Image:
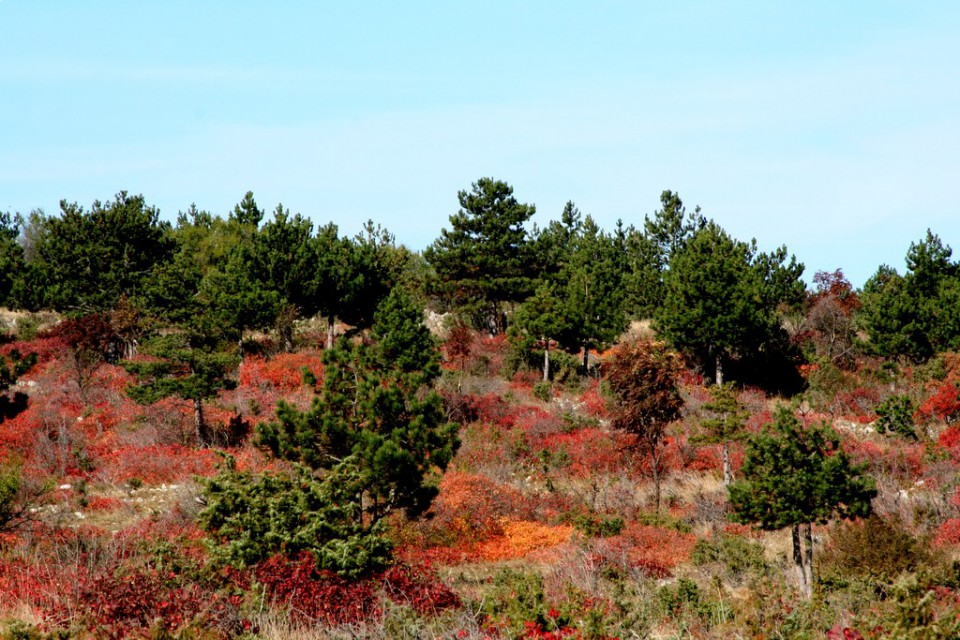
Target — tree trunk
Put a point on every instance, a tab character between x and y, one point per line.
803	557
330	331
655	469
798	558
727	470
586	360
199	424
718	360
546	359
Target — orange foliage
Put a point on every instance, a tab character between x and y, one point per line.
157	464
521	537
470	507
284	372
667	547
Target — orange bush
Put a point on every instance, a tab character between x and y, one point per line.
521	537
470	507
664	546
283	372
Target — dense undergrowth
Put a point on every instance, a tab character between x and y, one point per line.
544	525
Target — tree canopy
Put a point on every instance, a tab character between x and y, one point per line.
483	262
85	261
915	315
721	297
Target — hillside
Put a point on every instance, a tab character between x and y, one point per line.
544	525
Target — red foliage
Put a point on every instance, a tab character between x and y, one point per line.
949	438
594	404
420	588
619	552
706	459
157	464
283	372
321	596
903	463
859	403
665	547
591	450
836	287
122	602
318	596
943	405
843	633
47	349
948	533
103	503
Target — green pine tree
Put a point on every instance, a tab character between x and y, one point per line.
795	475
483	262
721	297
726	424
190	367
372	444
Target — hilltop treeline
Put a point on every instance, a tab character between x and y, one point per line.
723	303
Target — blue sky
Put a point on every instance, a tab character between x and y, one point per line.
831	127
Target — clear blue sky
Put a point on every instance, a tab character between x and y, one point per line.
831	127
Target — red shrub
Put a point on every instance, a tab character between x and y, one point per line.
943	405
859	403
103	503
47	349
315	596
950	437
619	552
594	404
591	450
667	547
420	588
123	602
948	533
283	372
157	464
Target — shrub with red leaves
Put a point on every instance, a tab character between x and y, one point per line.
948	533
943	405
121	603
843	633
322	596
418	588
312	595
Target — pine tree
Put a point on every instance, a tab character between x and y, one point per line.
186	366
579	302
85	262
11	255
722	296
372	443
726	424
796	475
252	517
483	263
914	315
